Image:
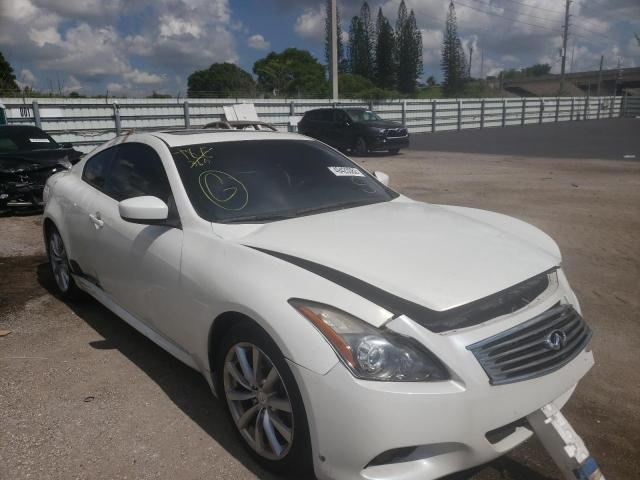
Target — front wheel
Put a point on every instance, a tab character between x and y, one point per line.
263	400
361	147
394	151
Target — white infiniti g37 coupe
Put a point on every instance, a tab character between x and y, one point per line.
349	329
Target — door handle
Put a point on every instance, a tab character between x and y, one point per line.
96	220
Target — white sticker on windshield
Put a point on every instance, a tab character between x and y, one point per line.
346	172
39	140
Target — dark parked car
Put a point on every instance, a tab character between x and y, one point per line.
28	157
354	129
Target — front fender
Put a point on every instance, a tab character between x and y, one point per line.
219	276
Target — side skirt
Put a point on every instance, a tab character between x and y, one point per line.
99	294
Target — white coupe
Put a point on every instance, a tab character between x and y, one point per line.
349	329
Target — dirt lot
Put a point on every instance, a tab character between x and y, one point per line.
82	395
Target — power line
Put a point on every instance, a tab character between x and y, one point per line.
537	7
517	12
577	25
545	27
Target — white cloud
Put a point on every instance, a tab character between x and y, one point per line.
172	26
42	36
258	42
431	45
310	24
28	77
140	77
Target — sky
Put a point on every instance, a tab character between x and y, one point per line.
134	47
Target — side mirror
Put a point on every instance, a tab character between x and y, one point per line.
66	145
382	177
146	210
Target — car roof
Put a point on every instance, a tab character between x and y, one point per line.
184	136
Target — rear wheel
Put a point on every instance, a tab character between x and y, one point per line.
263	400
361	146
59	266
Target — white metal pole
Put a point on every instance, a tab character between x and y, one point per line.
334	49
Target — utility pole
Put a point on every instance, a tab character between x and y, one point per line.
565	35
482	64
334	50
573	47
470	58
600	74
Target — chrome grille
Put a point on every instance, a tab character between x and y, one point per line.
534	348
397	132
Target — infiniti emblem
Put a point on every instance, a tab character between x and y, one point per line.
555	340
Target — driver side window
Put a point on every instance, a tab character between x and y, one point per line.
136	171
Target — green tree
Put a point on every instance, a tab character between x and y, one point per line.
342	61
537	70
453	63
352	85
358	49
408	50
155	94
220	80
291	73
7	78
385	60
368	32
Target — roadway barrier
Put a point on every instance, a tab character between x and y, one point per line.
88	122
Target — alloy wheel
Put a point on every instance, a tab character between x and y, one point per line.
361	146
258	401
59	262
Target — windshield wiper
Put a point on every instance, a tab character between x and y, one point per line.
259	218
334	206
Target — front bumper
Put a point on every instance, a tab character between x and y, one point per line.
441	427
387	143
353	421
21	196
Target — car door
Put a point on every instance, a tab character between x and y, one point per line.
79	198
138	265
340	131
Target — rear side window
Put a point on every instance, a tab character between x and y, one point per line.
96	169
136	171
325	115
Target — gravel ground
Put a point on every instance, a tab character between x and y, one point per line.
84	396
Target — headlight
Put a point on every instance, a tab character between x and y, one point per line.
372	353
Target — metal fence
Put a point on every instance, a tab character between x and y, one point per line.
89	122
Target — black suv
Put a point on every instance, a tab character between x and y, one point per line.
354	129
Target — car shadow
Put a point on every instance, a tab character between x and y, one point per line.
186	387
191	393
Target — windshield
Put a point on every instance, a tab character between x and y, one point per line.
363	116
19	139
265	180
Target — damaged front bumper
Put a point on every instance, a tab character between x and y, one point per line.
21	195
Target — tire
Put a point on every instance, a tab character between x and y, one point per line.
394	151
361	147
59	267
281	443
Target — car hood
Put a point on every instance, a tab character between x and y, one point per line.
380	124
34	160
435	256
